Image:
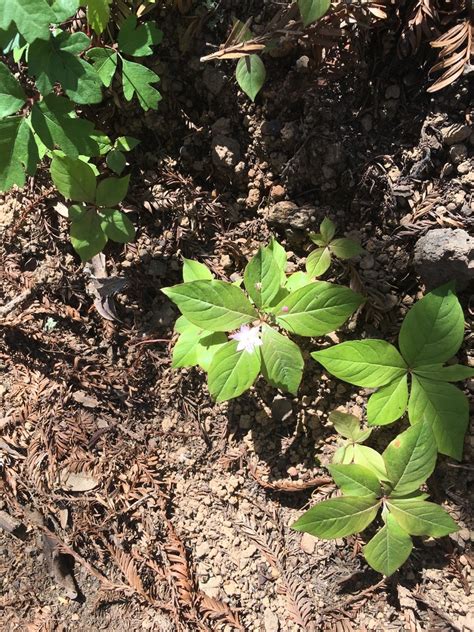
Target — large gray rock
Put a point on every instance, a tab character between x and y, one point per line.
444	254
287	213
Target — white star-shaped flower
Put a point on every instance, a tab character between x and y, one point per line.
248	338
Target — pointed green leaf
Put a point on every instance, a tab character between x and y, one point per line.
419	517
57	61
317	239
279	254
12	96
262	277
87	236
196	346
410	458
116	161
369	363
105	62
389	548
344	454
138	41
212	305
250	74
338	517
389	403
312	10
232	372
18	152
98	14
372	460
345	248
433	329
327	230
445	407
137	79
126	143
57	125
355	480
73	178
295	281
195	271
32	17
440	373
318	262
349	426
116	225
316	309
64	9
282	362
111	191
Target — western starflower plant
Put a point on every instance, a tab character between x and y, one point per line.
235	334
430	335
319	259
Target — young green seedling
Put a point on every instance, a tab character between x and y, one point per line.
431	334
319	260
236	335
408	462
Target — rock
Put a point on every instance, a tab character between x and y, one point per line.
270	621
231	588
253	198
277	192
282	409
202	549
444	254
458	153
455	133
211	587
464	168
225	152
287	213
308	543
214	79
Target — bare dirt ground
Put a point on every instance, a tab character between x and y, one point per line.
137	503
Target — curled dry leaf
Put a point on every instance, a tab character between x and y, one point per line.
456	48
76	481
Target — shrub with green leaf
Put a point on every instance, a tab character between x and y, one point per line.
259	321
393	492
430	335
319	260
48	74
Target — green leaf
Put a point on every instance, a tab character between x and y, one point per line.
126	143
111	191
73	178
318	262
105	62
56	61
446	408
87	236
195	271
55	122
195	345
64	9
355	480
250	74
116	161
372	460
440	373
433	329
282	362
18	152
116	225
212	305
389	403
369	363
262	277
32	17
338	517
295	281
349	426
312	10
232	372
410	458
137	79
389	548
98	14
344	454
317	308
327	230
317	239
12	96
137	41
419	517
345	248
279	254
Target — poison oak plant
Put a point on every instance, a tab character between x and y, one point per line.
235	336
49	73
431	334
408	461
319	260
